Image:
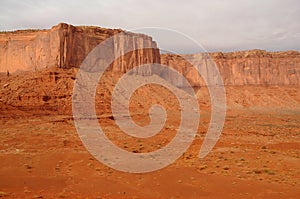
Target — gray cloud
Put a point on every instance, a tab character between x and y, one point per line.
217	24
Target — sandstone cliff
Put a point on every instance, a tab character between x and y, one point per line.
254	67
66	46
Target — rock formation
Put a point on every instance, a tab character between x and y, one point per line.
254	67
66	46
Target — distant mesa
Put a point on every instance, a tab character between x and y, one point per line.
66	46
253	67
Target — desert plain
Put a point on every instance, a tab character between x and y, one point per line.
42	156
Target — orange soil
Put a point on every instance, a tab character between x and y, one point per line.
257	155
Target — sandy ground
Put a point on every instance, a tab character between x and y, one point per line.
257	155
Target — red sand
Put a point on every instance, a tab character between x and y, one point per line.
257	155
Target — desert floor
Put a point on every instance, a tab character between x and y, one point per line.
257	155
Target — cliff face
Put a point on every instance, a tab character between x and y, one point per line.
28	50
66	46
255	67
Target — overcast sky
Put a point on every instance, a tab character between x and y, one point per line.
218	25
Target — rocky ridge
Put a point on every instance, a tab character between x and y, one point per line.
66	46
254	67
